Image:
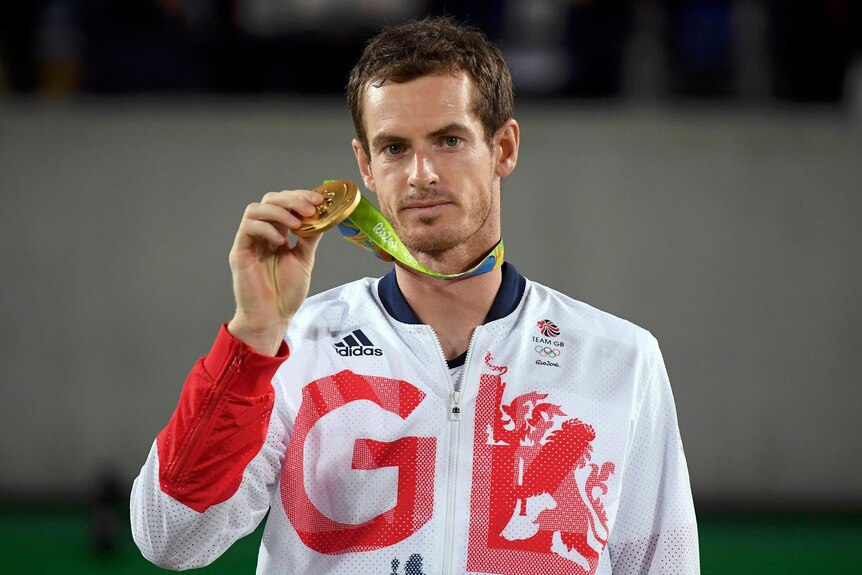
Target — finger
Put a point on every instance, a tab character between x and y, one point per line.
302	202
272	213
254	232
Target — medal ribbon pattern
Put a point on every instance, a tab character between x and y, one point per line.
367	228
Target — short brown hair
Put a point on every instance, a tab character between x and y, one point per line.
428	46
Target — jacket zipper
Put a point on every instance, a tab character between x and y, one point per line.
455	418
221	384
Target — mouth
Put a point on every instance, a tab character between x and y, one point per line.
425	206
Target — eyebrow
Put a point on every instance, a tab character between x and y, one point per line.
454	127
386	138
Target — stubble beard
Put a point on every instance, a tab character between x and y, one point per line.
425	240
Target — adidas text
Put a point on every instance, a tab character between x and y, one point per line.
356	344
355	351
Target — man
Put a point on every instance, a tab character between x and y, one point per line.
413	424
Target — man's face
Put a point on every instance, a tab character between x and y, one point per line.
436	178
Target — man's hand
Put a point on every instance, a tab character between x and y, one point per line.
270	277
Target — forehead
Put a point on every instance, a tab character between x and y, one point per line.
425	102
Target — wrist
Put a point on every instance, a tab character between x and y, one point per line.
263	339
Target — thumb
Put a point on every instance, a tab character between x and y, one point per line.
305	247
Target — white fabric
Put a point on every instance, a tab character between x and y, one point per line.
600	373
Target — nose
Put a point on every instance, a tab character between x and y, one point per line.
422	172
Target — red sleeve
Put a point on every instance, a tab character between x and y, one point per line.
219	424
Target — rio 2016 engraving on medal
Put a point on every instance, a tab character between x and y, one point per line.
340	198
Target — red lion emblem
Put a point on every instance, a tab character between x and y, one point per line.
537	504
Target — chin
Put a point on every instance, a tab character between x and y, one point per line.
426	237
442	234
431	243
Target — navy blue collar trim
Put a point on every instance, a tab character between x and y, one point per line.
508	296
458	361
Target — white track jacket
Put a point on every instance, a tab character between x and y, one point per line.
556	451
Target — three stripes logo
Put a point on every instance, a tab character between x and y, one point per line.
356	344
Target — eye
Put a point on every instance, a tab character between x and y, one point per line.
393	149
451	141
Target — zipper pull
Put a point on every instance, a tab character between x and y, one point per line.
455	409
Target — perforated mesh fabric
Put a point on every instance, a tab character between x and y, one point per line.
566	458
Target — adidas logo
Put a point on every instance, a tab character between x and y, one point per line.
356	344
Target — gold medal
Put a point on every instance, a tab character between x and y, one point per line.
340	198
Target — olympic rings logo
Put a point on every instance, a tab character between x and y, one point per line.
547	351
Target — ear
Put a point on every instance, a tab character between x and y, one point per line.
506	142
364	165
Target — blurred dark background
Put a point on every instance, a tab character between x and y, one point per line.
737	50
694	166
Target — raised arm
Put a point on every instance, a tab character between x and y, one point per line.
271	277
207	479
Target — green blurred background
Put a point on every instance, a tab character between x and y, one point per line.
64	539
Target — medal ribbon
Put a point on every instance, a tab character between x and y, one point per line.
367	228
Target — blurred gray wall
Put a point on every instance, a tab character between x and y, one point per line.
734	236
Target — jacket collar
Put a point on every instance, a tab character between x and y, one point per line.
507	298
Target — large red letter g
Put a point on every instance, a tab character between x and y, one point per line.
413	456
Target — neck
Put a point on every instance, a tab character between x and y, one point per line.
453	308
451	261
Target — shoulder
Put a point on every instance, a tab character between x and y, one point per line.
344	292
337	306
584	320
